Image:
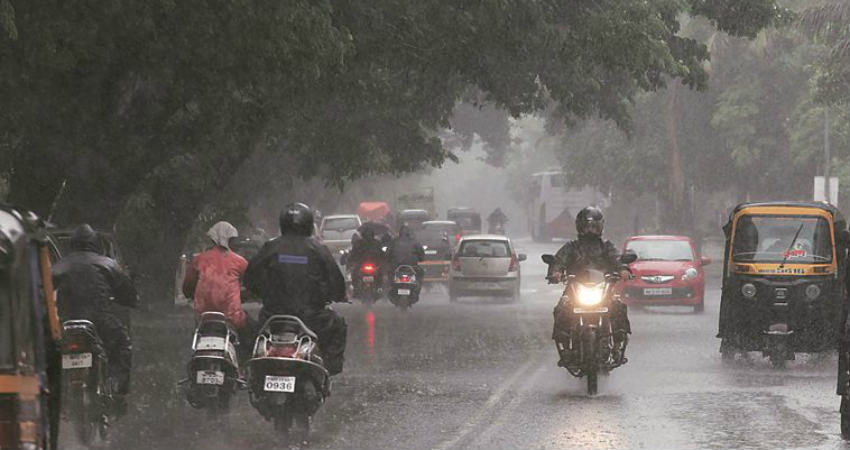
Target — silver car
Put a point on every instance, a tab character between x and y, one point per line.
336	231
485	265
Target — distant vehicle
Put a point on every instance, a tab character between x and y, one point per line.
668	271
422	199
336	231
413	218
439	237
404	289
468	219
485	265
553	204
374	212
86	384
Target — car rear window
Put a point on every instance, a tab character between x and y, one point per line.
341	224
485	249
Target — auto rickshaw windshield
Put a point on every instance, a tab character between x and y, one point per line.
771	239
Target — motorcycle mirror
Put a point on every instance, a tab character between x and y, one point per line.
628	257
548	259
704	261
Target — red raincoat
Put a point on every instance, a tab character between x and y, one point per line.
213	281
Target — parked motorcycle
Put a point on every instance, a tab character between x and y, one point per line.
86	385
404	291
591	348
287	378
213	371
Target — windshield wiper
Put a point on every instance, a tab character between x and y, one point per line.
793	241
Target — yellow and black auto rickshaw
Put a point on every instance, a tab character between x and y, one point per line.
29	333
783	279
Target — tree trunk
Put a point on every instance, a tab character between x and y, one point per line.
676	217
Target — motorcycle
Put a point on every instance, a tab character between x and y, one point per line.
497	228
287	378
213	370
369	284
86	385
591	347
404	291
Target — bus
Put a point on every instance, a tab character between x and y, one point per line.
553	205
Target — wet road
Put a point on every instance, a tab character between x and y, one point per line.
481	374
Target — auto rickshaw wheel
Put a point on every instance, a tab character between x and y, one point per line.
699	307
845	417
777	359
727	353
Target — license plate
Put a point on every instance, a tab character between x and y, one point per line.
210	343
210	377
430	252
368	279
279	384
590	310
76	361
657	291
404	292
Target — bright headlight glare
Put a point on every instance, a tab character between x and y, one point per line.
589	295
690	274
748	290
812	291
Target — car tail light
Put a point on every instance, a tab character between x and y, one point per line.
368	268
282	350
514	263
456	264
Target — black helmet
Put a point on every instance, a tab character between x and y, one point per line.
589	221
84	238
296	218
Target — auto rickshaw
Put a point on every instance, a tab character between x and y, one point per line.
29	334
468	219
783	279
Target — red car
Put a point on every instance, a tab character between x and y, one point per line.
668	271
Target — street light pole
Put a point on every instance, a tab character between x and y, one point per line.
826	155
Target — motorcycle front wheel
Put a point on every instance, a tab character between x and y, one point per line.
590	368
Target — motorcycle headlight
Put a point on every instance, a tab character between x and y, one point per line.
589	295
748	290
690	274
812	291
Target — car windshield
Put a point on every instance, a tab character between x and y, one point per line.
661	250
485	249
772	239
339	228
467	221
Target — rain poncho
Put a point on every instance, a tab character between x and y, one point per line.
213	278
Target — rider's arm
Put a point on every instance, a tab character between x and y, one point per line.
122	287
254	278
190	280
335	279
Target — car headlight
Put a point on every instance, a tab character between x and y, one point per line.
589	295
748	290
690	274
812	291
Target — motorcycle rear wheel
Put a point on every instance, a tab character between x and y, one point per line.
282	423
88	418
300	431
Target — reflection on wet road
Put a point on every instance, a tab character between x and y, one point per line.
482	374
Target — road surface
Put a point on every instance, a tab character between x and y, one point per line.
481	374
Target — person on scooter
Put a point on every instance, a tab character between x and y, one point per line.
296	275
496	221
87	284
589	250
213	281
405	250
366	249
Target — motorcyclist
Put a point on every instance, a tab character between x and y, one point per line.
366	249
496	219
213	281
296	275
406	251
589	250
89	285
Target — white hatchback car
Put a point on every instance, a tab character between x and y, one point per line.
485	265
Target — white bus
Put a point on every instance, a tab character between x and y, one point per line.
554	204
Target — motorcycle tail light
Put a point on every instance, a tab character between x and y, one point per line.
282	350
368	268
73	346
405	279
